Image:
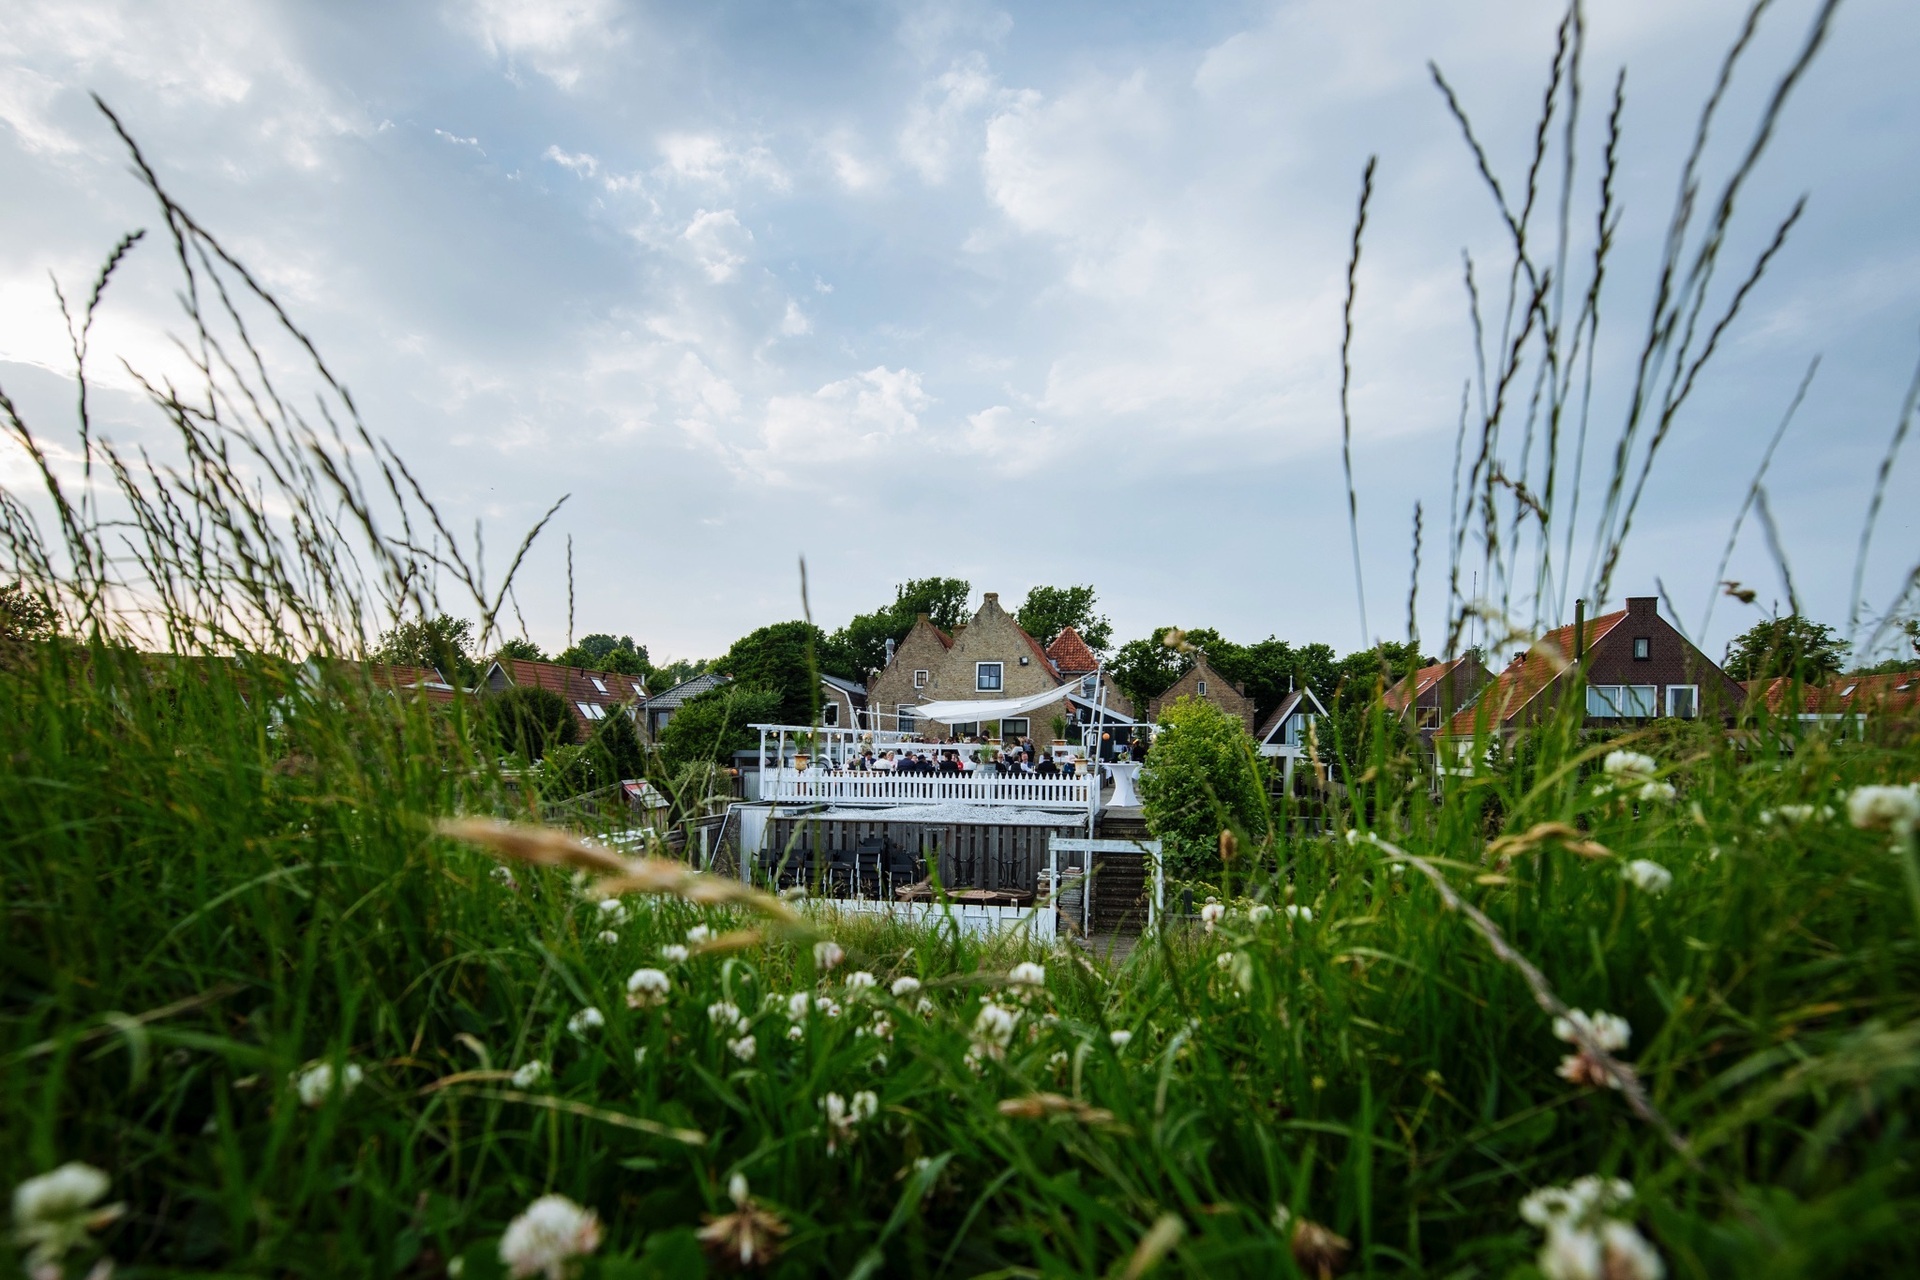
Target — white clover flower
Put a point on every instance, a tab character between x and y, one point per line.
1584	1242
587	1020
827	1006
797	1031
1259	913
1548	1205
1895	809
797	1005
1120	1039
532	1075
903	987
743	1048
993	1029
640	1056
1299	913
880	1028
647	986
1353	835
607	937
1609	1030
699	935
844	1115
612	911
861	980
1626	767
1795	814
725	1013
1570	1253
316	1082
53	1213
1626	1255
828	955
1657	791
501	875
1058	1059
1648	877
548	1236
1224	960
673	953
1397	869
925	1008
1210	915
1027	974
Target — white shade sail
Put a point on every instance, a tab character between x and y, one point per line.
974	710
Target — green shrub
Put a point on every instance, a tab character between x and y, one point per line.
1204	774
708	729
529	722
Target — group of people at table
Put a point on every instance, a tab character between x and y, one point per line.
1020	757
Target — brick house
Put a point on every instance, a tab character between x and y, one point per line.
908	675
843	703
1636	666
1071	657
1434	693
591	696
1203	682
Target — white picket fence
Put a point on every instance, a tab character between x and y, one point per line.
830	786
974	920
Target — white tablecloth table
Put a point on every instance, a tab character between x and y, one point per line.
1124	796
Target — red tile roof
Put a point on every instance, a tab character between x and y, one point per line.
1070	654
578	685
1528	674
1897	691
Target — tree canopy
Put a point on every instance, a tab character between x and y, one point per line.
520	647
1203	775
1047	611
530	721
861	645
1790	646
708	729
784	658
602	652
444	643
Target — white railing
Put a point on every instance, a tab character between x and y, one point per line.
837	786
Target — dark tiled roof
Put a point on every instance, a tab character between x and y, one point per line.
684	691
1527	675
851	688
1288	705
1070	655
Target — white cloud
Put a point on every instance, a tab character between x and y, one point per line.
718	241
943	127
852	419
795	321
709	159
582	165
557	38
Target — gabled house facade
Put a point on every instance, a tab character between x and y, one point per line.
591	696
991	657
1072	658
1431	696
843	703
1203	682
908	676
1636	665
1284	731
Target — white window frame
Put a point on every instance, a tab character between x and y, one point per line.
1026	728
1089	685
905	717
590	711
830	714
1643	701
980	684
597	683
969	730
1638	643
920	678
1611	704
1694	690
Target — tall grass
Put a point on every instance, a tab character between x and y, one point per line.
223	865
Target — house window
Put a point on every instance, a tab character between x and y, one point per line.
1089	685
1201	688
1429	718
1683	700
987	676
1622	701
1014	728
1603	701
904	717
660	719
830	713
1642	648
597	684
919	679
590	711
1643	701
967	730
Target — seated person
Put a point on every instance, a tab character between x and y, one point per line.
1047	768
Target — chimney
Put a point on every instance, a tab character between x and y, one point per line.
991	598
1579	630
1643	606
890	647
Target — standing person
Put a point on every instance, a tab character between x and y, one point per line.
1139	751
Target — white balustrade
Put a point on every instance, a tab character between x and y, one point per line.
856	787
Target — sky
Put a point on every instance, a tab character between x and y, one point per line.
1016	293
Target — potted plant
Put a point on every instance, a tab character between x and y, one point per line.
1059	727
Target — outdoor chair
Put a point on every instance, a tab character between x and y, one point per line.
903	867
842	873
869	858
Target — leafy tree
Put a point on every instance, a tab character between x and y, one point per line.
601	652
1365	674
1907	661
676	671
708	729
1791	646
783	658
24	616
861	645
522	648
443	642
1047	611
1204	775
530	721
611	756
1145	669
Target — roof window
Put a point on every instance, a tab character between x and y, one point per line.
597	684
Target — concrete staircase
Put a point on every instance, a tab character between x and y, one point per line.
1120	882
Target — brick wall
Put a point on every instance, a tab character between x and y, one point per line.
1670	660
922	650
1220	692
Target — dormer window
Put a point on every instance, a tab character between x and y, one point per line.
597	684
1642	648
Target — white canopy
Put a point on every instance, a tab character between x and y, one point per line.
977	710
